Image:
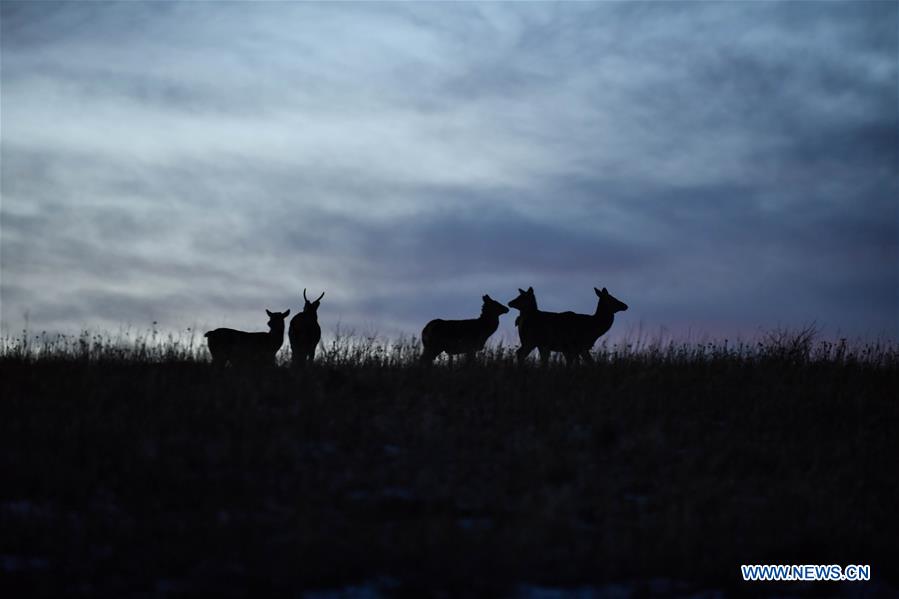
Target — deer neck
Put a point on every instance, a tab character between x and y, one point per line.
489	321
603	315
276	335
526	314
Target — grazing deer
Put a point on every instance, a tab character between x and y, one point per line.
461	336
304	332
567	332
240	348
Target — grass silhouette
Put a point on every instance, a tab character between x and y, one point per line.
130	465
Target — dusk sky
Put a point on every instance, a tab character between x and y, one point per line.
724	168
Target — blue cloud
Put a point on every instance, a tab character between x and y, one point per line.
721	166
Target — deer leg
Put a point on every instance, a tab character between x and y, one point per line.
522	353
219	358
427	357
298	360
544	355
587	356
311	355
469	358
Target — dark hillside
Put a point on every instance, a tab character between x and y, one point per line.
155	473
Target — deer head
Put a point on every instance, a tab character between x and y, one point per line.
276	319
608	302
526	300
312	307
492	307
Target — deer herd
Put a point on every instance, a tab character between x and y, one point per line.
568	333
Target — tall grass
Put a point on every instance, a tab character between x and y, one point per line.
103	346
347	348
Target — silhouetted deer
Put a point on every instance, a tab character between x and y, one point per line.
461	336
567	332
240	348
304	332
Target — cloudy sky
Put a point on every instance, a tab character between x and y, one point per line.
721	167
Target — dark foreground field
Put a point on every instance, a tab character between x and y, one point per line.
656	471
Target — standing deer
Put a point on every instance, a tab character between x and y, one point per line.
240	348
304	332
567	332
461	336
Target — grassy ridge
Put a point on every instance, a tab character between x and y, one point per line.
132	468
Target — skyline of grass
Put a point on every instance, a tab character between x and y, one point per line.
343	346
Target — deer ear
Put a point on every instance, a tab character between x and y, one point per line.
286	314
604	292
531	290
486	298
597	291
521	291
268	312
